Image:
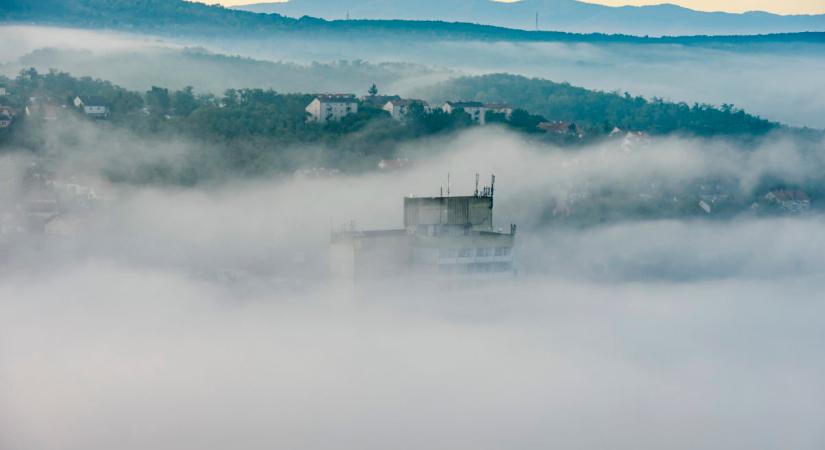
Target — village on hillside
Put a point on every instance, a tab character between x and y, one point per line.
52	203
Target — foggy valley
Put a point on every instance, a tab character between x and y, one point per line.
171	201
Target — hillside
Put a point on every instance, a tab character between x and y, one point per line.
181	18
560	15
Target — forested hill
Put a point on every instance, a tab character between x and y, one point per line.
257	131
178	17
561	101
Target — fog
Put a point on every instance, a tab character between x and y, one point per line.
172	317
777	81
204	317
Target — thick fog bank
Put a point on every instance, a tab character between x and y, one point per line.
203	318
99	355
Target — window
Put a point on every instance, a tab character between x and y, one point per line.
482	252
465	253
502	251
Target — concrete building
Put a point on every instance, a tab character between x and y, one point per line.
400	108
331	107
476	110
441	235
94	107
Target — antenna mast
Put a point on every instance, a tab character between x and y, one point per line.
537	21
476	191
448	184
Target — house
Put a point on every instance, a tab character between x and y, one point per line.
331	107
562	127
500	108
399	108
3	91
476	110
7	115
94	107
5	120
790	200
442	236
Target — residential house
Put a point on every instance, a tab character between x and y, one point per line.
331	107
94	107
476	110
5	120
7	115
399	108
562	127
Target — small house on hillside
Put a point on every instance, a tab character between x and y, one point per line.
94	107
399	108
476	110
331	107
561	127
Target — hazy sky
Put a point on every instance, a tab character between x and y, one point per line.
780	7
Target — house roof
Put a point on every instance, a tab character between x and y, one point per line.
405	102
336	98
497	106
93	101
466	104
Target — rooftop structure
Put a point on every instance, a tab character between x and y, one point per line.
441	235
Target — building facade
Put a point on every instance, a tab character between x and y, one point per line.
331	108
442	235
400	108
476	110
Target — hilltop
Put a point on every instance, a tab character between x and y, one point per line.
560	15
181	18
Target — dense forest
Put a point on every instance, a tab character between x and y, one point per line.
178	17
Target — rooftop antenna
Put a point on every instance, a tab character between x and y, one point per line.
492	184
476	191
448	184
347	14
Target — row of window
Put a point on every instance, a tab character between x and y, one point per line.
470	252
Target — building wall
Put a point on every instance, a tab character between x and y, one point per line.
475	211
322	112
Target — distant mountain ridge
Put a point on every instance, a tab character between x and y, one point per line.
557	15
186	18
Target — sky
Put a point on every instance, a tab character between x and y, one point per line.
779	7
